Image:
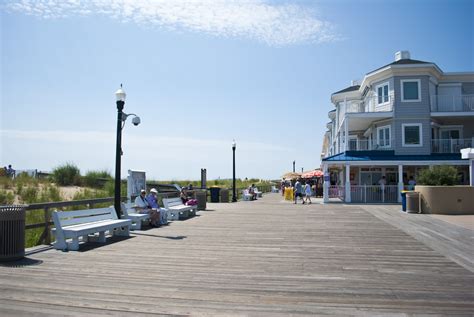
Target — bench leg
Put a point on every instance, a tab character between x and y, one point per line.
85	238
101	237
123	231
138	225
74	245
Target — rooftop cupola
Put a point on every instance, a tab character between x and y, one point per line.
402	55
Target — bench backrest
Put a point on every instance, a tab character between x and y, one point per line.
76	217
126	207
170	202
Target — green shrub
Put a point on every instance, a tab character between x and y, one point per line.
29	195
95	179
6	198
67	174
439	175
50	193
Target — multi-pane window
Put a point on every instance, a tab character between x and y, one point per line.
412	135
410	90
383	136
382	93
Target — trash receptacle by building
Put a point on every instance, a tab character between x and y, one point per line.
413	202
12	232
215	194
201	196
403	193
224	195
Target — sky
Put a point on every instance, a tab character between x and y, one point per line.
199	74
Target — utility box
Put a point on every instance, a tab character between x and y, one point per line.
12	232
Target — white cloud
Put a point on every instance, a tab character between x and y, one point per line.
274	24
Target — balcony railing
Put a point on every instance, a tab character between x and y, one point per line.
452	103
371	104
449	145
366	145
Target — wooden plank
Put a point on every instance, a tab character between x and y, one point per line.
264	258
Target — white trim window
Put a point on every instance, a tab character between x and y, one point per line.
382	93
383	136
410	90
412	135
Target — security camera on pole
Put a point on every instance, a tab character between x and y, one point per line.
121	118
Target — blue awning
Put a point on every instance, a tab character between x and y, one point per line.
365	156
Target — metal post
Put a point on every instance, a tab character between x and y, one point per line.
118	157
234	197
293	166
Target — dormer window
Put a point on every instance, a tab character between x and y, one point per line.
382	93
411	91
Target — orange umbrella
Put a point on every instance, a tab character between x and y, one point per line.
311	174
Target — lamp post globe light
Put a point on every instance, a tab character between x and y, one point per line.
234	196
120	96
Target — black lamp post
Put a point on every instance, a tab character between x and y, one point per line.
121	117
293	166
234	197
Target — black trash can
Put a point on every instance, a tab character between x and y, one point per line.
12	232
215	194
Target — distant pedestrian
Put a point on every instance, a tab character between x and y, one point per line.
411	183
11	172
307	193
382	182
298	191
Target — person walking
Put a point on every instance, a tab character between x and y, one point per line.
298	191
307	192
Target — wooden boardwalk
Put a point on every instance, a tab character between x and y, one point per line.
261	258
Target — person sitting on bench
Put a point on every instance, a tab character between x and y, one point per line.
143	207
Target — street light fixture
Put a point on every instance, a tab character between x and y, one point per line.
234	196
120	96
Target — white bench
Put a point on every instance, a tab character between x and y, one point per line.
176	210
82	223
246	195
275	190
258	193
129	212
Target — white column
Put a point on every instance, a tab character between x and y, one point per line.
348	183
400	182
326	184
471	172
346	134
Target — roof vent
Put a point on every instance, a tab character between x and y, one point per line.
402	55
355	82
